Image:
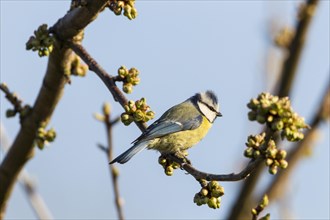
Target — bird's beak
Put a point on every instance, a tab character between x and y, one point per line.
219	114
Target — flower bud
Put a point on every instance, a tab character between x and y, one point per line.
252	115
10	113
273	169
127	88
248	152
219	191
162	160
281	154
204	192
269	161
106	108
256	154
213	185
138	115
213	203
283	164
261	119
150	115
169	170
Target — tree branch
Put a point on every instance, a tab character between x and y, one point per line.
50	93
26	181
240	206
218	177
107	79
114	173
289	68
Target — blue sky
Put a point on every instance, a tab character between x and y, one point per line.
180	48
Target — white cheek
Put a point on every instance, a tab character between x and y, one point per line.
210	115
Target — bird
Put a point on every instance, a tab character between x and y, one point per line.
179	128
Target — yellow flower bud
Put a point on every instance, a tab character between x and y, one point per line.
138	115
127	88
204	192
122	71
213	203
283	164
106	109
162	161
169	170
269	162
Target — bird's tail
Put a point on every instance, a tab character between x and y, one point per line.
127	155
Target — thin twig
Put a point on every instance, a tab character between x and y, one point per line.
218	177
113	169
12	98
26	181
107	79
240	206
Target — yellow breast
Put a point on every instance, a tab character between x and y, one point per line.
181	140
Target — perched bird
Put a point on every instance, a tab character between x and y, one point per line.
179	128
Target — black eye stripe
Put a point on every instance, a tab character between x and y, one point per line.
210	107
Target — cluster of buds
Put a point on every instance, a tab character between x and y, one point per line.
168	165
129	77
77	67
275	158
117	6
41	42
17	103
253	144
44	137
137	111
284	37
23	111
261	206
278	114
209	194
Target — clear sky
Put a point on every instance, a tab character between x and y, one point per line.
180	48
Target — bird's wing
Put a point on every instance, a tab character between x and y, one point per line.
164	126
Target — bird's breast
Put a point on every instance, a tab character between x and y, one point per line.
180	140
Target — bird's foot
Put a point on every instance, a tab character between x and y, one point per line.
182	156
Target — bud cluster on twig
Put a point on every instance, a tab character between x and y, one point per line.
168	165
42	41
278	115
78	68
137	111
44	137
129	77
274	157
210	194
13	98
261	206
117	6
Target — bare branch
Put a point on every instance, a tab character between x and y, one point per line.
112	168
218	177
26	181
289	68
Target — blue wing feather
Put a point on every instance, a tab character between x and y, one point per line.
164	127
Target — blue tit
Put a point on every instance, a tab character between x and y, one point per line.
179	128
